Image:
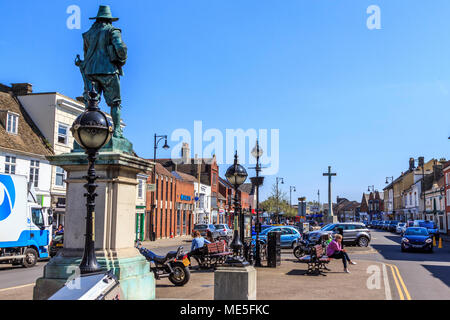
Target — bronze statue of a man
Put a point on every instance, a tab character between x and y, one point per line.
104	56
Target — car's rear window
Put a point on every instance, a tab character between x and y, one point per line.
219	226
201	227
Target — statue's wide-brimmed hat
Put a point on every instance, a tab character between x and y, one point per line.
104	12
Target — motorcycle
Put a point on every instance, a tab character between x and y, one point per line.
174	265
305	246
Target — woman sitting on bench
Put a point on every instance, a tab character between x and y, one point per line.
197	243
335	251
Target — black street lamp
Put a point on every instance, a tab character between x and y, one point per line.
236	176
157	140
291	188
392	182
92	130
257	152
278	199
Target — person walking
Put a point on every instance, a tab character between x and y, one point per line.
335	251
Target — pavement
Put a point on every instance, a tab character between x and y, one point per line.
184	241
382	272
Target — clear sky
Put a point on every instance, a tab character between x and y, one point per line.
360	100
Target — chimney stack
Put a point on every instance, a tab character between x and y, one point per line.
21	89
411	164
185	153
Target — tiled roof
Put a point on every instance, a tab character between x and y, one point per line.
184	176
246	187
29	139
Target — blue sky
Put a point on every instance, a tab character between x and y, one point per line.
360	100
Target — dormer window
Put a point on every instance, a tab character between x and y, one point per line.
12	123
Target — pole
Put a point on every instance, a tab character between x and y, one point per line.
153	197
258	256
423	190
89	263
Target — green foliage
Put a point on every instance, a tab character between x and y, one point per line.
278	202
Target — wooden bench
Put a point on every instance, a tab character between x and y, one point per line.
316	261
214	254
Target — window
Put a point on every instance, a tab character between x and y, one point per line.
60	176
448	197
62	134
37	217
34	172
156	187
10	165
140	189
167	188
12	123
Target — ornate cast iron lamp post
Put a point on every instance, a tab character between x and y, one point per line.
236	175
257	152
157	140
92	130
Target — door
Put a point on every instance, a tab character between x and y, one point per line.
288	236
140	226
350	231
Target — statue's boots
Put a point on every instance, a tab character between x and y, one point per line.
115	114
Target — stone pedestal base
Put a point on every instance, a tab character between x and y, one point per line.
330	219
235	283
137	282
114	224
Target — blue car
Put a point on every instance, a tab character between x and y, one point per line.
429	225
417	238
289	236
263	227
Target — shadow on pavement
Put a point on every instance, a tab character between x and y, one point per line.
440	272
296	272
393	252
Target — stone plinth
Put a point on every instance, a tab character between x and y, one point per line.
114	227
330	219
235	283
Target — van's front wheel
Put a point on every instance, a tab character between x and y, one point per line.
30	259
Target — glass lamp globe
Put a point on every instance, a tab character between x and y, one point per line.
236	174
92	129
257	151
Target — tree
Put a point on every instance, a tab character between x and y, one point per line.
278	202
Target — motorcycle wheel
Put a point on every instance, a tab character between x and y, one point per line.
180	275
299	252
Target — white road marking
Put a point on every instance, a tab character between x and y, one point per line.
387	288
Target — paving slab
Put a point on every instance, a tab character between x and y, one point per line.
287	282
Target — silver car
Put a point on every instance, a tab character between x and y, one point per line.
224	230
353	233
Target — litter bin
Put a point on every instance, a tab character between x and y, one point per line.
273	249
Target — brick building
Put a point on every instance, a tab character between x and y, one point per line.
161	221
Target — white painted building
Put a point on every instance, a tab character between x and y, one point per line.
23	149
54	113
202	209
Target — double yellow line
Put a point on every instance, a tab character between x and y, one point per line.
399	283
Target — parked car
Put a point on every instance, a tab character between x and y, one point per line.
289	238
385	225
401	228
354	233
392	226
263	227
56	244
372	224
431	226
417	238
203	228
224	230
